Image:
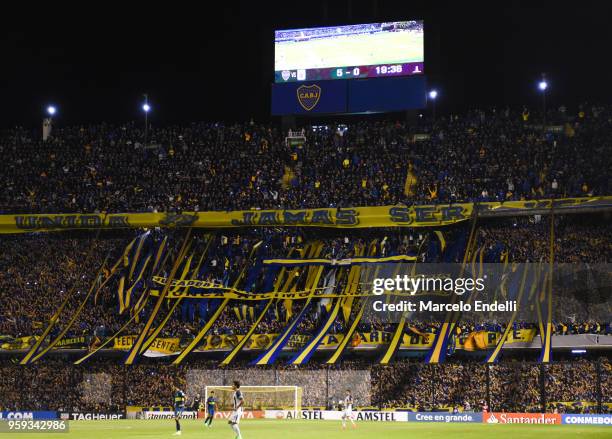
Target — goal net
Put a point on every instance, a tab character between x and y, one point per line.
259	397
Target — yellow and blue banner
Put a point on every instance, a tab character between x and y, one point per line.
355	217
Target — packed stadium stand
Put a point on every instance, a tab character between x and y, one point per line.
499	155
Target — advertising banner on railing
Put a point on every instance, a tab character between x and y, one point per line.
91	416
169	415
28	415
522	418
444	417
334	415
587	419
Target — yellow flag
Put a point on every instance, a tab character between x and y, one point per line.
411	182
476	341
288	176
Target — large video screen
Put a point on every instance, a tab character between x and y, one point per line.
346	52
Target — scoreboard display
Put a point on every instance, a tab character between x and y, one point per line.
374	50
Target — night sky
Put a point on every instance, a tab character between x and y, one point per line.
216	63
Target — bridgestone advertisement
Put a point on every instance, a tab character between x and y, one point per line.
169	415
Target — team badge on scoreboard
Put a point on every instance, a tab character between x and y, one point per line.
286	74
308	96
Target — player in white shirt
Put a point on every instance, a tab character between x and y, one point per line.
238	408
348	409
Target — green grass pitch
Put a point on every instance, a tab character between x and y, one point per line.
359	50
272	429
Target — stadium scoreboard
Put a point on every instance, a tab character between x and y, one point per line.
360	68
346	52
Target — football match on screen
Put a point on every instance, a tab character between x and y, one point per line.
348	219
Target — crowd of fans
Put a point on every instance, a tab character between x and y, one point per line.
43	270
515	387
37	273
102	385
574	382
108	385
481	155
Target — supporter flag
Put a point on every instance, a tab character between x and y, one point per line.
440	235
411	182
288	177
437	352
476	341
144	264
329	284
546	325
304	355
131	260
120	291
416	331
435	247
124	262
521	280
272	353
138	282
109	273
288	304
243	312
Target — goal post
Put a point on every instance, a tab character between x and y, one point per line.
258	398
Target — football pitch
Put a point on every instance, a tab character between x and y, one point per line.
273	429
358	50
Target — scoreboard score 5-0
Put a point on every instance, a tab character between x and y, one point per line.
375	71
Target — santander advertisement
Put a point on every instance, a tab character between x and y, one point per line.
522	418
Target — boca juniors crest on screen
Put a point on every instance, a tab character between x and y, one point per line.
369	95
308	96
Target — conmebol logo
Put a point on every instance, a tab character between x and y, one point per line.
587	419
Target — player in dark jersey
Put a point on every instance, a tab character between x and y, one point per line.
179	407
197	403
211	404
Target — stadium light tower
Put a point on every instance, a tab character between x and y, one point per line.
433	95
47	124
543	87
146	108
